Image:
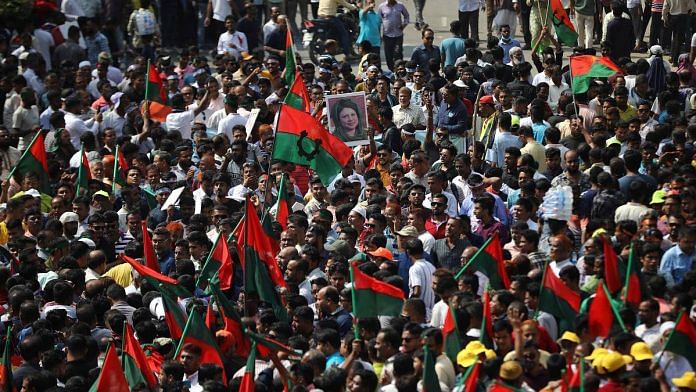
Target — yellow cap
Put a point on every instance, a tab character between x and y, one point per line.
490	354
613	361
569	336
641	352
598	352
466	358
510	371
658	197
475	347
687	380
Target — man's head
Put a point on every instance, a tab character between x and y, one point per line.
191	358
387	343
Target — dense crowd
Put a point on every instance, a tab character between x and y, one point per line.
470	153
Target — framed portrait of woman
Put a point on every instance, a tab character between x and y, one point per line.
348	117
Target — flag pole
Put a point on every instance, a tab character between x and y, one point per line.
113	180
466	266
79	171
183	334
245	270
627	280
356	332
147	81
270	159
613	309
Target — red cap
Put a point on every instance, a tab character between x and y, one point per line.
486	99
382	252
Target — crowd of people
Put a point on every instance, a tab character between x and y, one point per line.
466	142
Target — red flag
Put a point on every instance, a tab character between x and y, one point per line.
601	313
111	378
471	377
155	86
158	111
210	318
149	249
611	267
487	321
135	361
248	384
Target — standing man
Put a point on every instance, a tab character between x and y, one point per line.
507	42
232	42
420	276
422	54
619	34
676	17
395	18
453	48
328	10
584	19
468	20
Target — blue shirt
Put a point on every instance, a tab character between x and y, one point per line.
422	55
166	263
453	48
506	48
370	26
334	359
452	117
501	142
539	132
676	263
499	211
95	45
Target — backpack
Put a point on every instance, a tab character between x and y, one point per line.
144	22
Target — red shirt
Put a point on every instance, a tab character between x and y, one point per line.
611	386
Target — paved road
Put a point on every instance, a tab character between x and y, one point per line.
439	14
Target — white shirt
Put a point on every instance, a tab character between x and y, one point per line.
555	94
76	127
421	274
226	124
651	336
541	77
113	74
181	122
232	43
439	314
410	115
43	43
113	120
221	9
34	82
428	241
557	266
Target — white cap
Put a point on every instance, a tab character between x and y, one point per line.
88	242
33	192
84	64
667	326
69	217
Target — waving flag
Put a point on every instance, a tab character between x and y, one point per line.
111	377
372	297
585	67
135	363
489	261
34	160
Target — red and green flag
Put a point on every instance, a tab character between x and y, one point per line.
6	382
634	290
302	140
267	346
111	377
262	275
219	262
612	276
565	31
135	364
157	278
372	297
196	333
500	386
471	377
33	160
248	384
282	207
84	174
682	340
210	317
148	249
584	67
576	379
120	170
154	87
431	382
290	65
231	319
489	261
602	314
558	299
450	334
487	321
174	315
297	97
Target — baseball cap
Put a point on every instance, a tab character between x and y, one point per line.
408	231
570	336
100	193
69	217
486	99
341	247
640	351
33	193
613	361
658	197
382	252
103	57
596	353
687	380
